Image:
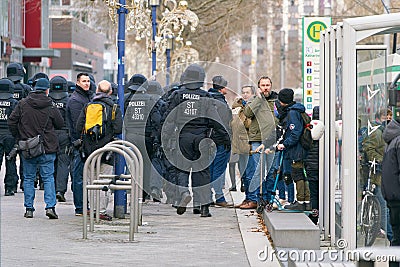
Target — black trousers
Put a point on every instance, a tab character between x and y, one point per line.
196	164
6	145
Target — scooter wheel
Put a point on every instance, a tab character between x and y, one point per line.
260	209
269	208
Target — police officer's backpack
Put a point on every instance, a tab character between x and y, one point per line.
96	120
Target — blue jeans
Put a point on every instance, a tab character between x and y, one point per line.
253	189
385	217
217	172
270	179
77	181
287	169
45	163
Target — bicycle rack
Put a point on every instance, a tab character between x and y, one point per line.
139	187
98	181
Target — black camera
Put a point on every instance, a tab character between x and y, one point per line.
77	143
13	153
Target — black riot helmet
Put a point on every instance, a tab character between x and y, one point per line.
136	81
71	86
36	77
15	71
58	83
92	83
6	87
154	87
193	77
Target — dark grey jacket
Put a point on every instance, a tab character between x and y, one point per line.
391	162
35	115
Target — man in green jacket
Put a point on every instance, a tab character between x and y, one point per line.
261	130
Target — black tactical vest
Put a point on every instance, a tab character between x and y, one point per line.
21	91
60	100
7	105
192	108
137	111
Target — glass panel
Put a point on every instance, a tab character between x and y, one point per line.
338	147
371	120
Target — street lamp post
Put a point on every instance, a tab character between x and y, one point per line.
154	4
120	195
168	55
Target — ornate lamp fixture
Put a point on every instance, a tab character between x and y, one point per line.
173	24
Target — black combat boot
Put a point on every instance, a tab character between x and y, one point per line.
186	198
205	212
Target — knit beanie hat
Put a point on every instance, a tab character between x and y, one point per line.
286	95
219	82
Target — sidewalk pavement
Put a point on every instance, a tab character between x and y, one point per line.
231	237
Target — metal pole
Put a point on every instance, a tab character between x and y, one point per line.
168	55
168	52
120	195
153	52
282	58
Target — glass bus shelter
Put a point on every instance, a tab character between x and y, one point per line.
355	70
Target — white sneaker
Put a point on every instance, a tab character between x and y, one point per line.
281	201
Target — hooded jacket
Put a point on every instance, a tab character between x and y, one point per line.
294	128
391	162
36	115
75	105
223	132
312	162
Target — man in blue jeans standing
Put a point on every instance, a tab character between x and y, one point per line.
262	128
35	115
79	98
222	138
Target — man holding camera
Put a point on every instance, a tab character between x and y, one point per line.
35	117
79	98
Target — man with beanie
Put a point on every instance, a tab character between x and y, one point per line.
222	138
79	98
262	127
292	148
36	115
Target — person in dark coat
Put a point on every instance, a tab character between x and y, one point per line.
391	177
36	115
79	98
222	138
311	165
113	127
293	150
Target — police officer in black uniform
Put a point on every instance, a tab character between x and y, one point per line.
59	94
138	107
7	141
114	94
169	186
191	112
16	72
71	87
31	81
156	155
